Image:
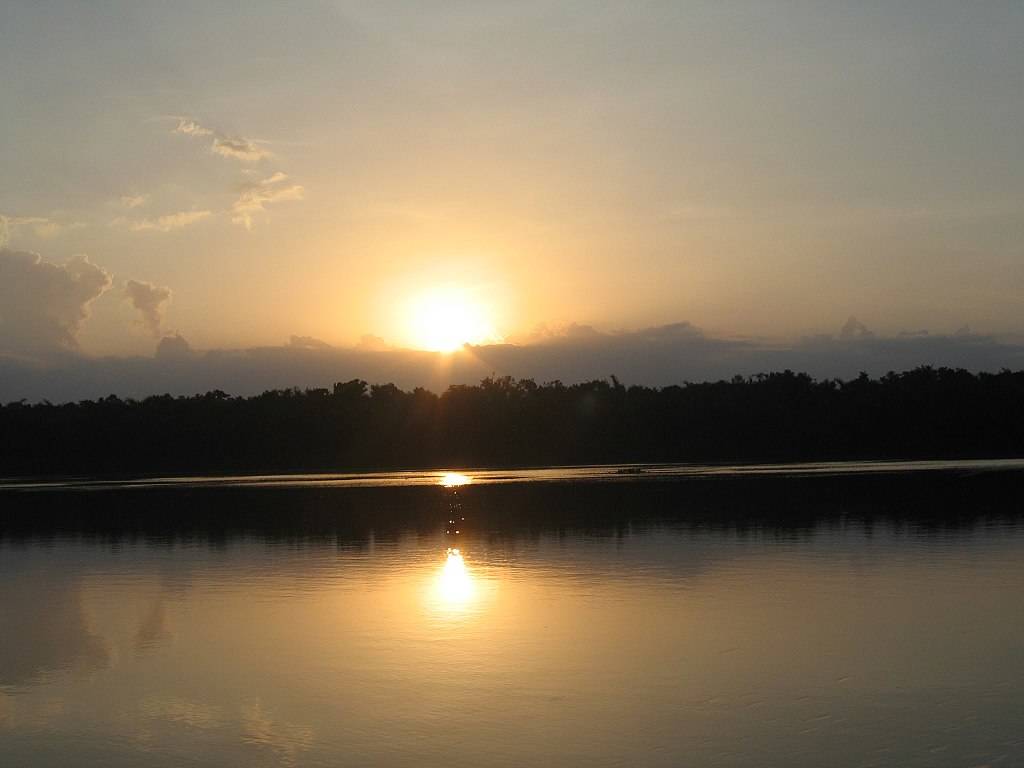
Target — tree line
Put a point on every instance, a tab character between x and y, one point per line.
923	413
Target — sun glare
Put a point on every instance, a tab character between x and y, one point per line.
454	479
444	320
454	584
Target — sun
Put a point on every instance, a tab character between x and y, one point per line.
444	319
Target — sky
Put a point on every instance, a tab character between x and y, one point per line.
792	183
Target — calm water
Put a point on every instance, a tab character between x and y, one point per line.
634	638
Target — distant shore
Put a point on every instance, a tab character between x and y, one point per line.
922	414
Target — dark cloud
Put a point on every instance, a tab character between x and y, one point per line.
854	329
42	304
307	342
660	355
173	347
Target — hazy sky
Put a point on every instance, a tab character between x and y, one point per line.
261	170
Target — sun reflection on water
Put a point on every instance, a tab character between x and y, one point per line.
454	479
455	588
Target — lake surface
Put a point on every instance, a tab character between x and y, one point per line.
876	620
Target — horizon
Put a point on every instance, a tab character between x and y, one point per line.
653	357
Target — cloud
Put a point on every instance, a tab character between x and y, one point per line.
46	228
191	128
854	329
173	347
370	343
134	201
167	223
149	300
41	226
42	304
255	196
234	147
239	149
307	342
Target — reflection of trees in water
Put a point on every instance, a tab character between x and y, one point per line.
45	629
771	505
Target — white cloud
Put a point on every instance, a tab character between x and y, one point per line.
42	304
134	201
165	223
238	148
149	300
46	228
255	196
191	128
41	226
234	147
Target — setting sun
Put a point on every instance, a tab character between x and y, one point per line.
445	319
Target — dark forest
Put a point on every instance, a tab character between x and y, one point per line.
503	422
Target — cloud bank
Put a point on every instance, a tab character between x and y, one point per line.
656	356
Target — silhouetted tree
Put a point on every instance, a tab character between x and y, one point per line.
782	416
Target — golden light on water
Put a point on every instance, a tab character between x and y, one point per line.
454	479
455	588
445	319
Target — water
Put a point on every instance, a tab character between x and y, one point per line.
603	625
588	473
